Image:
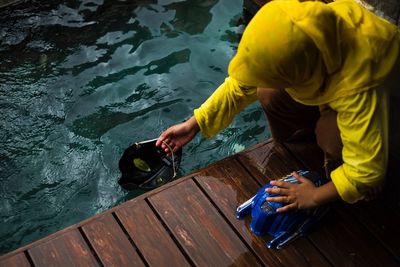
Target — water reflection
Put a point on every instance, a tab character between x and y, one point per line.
81	80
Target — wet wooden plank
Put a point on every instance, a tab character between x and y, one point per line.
308	154
345	242
150	236
199	213
110	243
17	260
267	161
229	185
382	221
223	183
68	249
201	231
379	216
342	232
93	218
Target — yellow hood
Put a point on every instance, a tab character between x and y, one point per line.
318	52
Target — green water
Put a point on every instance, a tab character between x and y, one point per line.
82	80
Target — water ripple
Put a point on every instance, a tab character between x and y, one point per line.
82	80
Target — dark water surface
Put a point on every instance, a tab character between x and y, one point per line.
82	80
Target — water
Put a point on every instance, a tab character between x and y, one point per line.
82	80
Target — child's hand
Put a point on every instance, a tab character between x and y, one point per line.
296	196
176	136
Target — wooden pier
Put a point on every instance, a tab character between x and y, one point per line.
191	222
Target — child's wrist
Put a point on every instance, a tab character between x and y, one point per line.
324	194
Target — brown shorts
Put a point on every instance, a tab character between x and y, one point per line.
291	121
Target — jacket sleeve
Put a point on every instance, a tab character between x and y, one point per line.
363	123
218	111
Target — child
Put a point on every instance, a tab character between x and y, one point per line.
313	66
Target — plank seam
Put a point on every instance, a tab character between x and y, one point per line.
174	239
307	238
87	241
259	260
337	212
334	209
372	233
294	156
248	171
349	213
29	258
290	153
313	244
302	163
121	225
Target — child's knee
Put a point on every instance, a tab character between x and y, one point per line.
328	134
268	97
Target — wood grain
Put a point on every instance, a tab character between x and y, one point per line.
150	236
68	249
229	185
268	161
201	231
345	242
191	221
17	260
110	243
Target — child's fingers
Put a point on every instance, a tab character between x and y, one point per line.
277	190
300	178
281	199
161	139
168	146
286	208
280	183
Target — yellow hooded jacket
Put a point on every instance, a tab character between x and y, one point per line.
333	54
